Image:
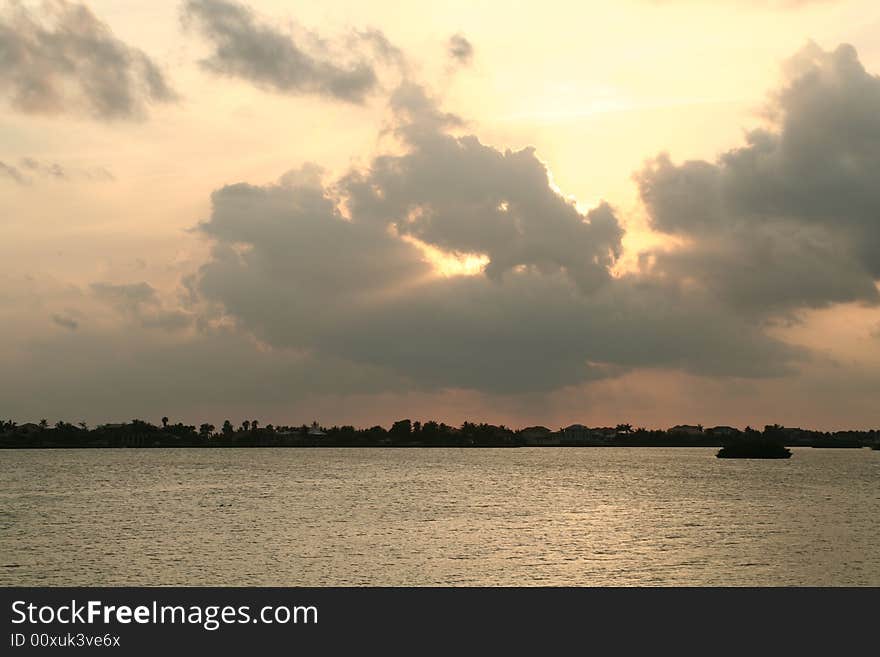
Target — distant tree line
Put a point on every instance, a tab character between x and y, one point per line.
403	433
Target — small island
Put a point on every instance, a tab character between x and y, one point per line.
753	446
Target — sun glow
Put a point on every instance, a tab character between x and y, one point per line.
449	264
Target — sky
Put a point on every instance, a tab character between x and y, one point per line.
649	211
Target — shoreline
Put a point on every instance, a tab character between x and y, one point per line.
575	446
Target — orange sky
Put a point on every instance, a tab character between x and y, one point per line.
596	88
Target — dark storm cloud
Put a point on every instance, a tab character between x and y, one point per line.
792	218
300	273
246	48
464	197
72	62
460	49
536	332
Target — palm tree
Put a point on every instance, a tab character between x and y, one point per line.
165	422
44	423
246	425
255	424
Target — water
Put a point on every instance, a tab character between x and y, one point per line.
286	517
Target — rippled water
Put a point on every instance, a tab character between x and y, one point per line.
592	516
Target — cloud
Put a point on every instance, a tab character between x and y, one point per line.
460	49
65	322
28	168
245	47
100	174
140	302
382	48
72	62
48	169
791	219
12	173
128	295
464	197
338	271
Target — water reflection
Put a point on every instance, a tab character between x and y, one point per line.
599	516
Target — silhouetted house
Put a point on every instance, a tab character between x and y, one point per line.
140	439
792	435
722	431
28	428
575	433
603	434
134	434
538	436
289	436
315	431
687	430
